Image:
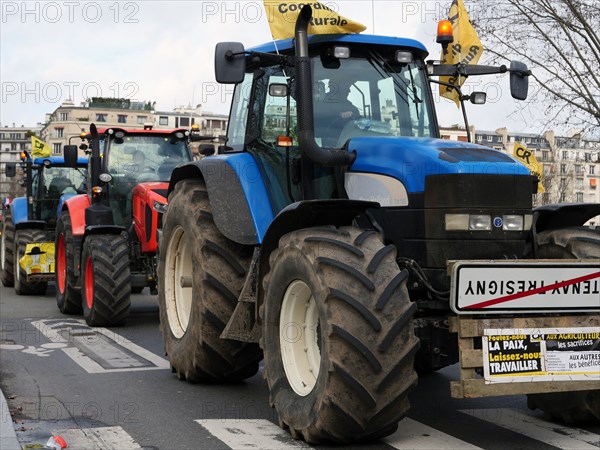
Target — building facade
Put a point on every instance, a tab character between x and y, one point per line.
13	140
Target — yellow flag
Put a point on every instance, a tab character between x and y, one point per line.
39	149
466	47
528	158
282	17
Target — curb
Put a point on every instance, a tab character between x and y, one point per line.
8	436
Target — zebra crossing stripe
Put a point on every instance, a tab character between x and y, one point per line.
102	438
415	435
251	433
565	437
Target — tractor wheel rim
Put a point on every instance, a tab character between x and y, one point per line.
61	264
89	282
17	265
299	338
178	289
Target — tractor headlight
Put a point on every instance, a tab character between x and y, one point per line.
480	222
512	222
159	207
372	187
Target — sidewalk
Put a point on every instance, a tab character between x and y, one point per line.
8	437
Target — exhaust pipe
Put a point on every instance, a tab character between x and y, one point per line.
306	132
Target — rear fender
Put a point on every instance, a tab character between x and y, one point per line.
18	207
238	197
76	207
551	217
305	214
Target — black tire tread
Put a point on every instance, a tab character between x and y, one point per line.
220	266
8	236
111	268
580	406
364	380
68	302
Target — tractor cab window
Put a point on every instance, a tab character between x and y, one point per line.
136	159
367	96
54	182
236	131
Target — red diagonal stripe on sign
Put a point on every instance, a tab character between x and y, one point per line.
550	287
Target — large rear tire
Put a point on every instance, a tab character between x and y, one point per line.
7	248
569	243
68	296
105	280
202	274
22	238
338	335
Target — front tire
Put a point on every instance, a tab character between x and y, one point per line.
7	249
22	238
202	274
105	279
68	296
338	335
578	406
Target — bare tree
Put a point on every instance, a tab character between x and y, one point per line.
558	40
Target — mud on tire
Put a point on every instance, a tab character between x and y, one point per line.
192	317
68	296
105	280
569	243
7	248
22	238
357	319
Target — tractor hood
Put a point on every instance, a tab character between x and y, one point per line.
411	160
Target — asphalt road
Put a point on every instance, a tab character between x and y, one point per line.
113	389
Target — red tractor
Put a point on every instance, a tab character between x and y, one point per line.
106	239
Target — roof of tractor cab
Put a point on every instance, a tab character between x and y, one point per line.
140	131
60	161
371	39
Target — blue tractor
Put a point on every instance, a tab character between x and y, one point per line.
32	219
320	239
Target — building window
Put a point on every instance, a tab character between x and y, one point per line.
544	155
565	154
63	116
592	170
563	168
490	138
59	132
15	136
13	147
122	118
563	197
101	117
163	120
545	198
500	139
563	183
184	121
56	149
479	138
141	120
578	169
579	198
579	183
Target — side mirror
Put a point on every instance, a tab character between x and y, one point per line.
70	155
478	98
10	170
519	80
230	62
206	149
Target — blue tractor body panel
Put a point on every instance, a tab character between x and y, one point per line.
250	178
19	210
411	160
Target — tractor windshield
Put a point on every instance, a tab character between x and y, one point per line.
51	182
369	96
140	158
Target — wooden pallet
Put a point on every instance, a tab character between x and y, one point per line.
470	330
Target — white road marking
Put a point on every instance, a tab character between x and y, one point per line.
561	436
103	438
415	435
112	352
251	433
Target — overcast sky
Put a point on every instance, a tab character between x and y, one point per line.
162	51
